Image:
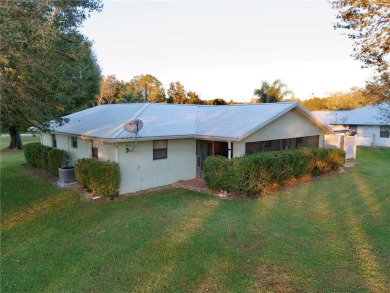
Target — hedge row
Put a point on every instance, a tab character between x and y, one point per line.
103	178
254	173
44	157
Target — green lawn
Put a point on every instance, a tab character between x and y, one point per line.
329	235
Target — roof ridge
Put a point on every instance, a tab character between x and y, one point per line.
135	115
197	119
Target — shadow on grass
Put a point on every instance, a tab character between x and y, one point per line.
37	209
324	236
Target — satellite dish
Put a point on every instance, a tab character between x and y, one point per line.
133	126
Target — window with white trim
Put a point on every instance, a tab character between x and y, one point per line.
74	142
160	149
53	141
385	131
95	150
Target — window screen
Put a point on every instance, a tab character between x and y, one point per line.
95	151
74	142
160	149
385	131
53	141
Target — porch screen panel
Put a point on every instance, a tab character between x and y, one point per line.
313	141
254	147
272	145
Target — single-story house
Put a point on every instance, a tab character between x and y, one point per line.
370	124
172	141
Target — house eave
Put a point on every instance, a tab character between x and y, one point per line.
148	138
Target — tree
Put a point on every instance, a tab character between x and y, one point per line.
273	93
146	87
368	24
111	90
355	98
47	66
193	98
218	102
177	93
378	89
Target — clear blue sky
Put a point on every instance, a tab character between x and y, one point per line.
224	49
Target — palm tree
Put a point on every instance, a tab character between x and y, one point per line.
273	93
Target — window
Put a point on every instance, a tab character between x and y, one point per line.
53	141
95	150
313	141
289	144
385	131
352	128
160	149
254	147
272	145
74	142
301	142
281	144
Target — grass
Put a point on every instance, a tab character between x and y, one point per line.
328	235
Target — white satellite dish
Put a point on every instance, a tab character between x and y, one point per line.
133	126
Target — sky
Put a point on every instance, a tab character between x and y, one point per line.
225	49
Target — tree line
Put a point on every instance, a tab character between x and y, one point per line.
147	88
48	68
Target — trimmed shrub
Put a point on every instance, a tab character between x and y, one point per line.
103	178
56	159
30	153
254	173
44	157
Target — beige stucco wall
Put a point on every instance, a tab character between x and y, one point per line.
140	171
83	149
46	139
290	125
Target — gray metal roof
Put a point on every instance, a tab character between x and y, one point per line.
368	115
233	122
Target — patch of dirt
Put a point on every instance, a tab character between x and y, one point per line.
8	150
276	278
36	173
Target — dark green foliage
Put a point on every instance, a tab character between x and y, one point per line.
37	155
102	178
272	93
44	157
255	173
56	159
48	68
30	151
